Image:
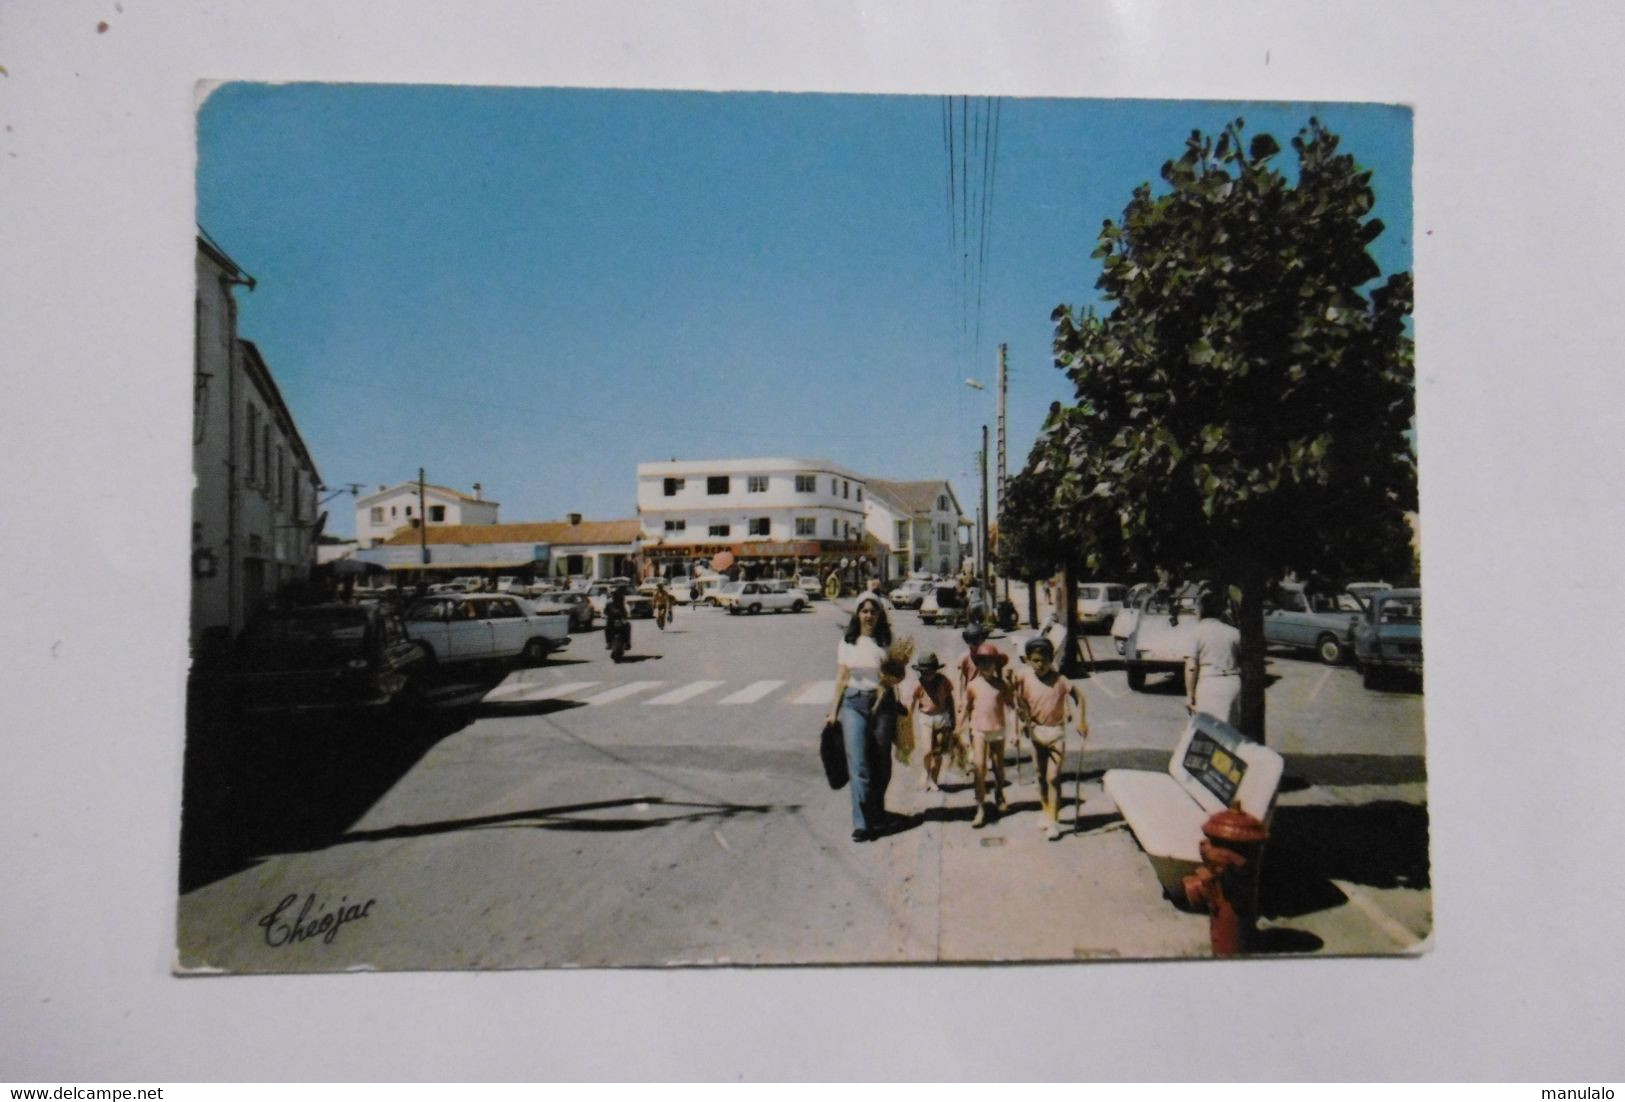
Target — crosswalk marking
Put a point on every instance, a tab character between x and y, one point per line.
677	696
751	693
629	689
533	691
819	692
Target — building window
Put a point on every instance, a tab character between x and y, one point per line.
756	484
834	528
860	493
834	486
719	529
902	533
760	526
408	510
942	532
677	526
716	484
377	516
672	486
846	488
806	484
281	476
942	503
437	514
806	526
265	453
392	511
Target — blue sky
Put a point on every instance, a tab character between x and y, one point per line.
537	289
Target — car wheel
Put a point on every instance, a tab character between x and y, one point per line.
535	650
429	657
797	606
1136	678
1120	644
754	609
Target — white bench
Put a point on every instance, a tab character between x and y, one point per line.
1212	766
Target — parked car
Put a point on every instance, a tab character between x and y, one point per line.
811	586
1099	603
765	596
1159	632
1308	621
723	595
574	605
910	593
474	627
947	605
322	657
637	605
1389	637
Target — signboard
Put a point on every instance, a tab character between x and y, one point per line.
1214	766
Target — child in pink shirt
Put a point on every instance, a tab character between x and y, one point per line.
1042	696
987	704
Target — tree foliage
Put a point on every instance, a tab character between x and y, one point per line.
1243	410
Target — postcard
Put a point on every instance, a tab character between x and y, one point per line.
653	528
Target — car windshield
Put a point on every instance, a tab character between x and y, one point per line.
307	639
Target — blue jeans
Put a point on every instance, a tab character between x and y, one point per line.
868	755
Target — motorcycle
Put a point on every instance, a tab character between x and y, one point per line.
618	637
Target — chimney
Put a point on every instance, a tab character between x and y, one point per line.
477	492
575	519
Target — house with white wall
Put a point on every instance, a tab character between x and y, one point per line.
571	548
919	524
777	513
254	483
380	514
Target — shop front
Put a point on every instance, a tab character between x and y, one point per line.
855	561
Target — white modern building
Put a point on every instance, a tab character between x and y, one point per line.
380	514
919	524
773	514
254	483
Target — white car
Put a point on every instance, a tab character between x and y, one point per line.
1161	630
475	627
911	593
811	585
1099	603
637	605
763	597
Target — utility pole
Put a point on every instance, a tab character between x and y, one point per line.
1003	470
423	521
981	459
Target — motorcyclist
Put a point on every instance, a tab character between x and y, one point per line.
662	604
616	618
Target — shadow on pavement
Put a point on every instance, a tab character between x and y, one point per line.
1381	845
653	812
253	786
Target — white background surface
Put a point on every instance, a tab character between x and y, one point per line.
1518	258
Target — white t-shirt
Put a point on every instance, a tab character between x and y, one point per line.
863	660
1216	646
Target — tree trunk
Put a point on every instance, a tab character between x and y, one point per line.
1069	594
1032	603
1253	589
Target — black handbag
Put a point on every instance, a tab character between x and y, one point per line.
832	749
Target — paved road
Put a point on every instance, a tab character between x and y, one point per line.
671	810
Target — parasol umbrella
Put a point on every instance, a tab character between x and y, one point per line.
722	560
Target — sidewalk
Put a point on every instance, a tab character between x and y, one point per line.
1099	898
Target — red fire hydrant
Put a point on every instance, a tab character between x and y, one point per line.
1227	882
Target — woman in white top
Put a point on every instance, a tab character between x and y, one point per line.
1213	667
866	728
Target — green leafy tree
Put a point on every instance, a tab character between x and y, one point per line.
1244	408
